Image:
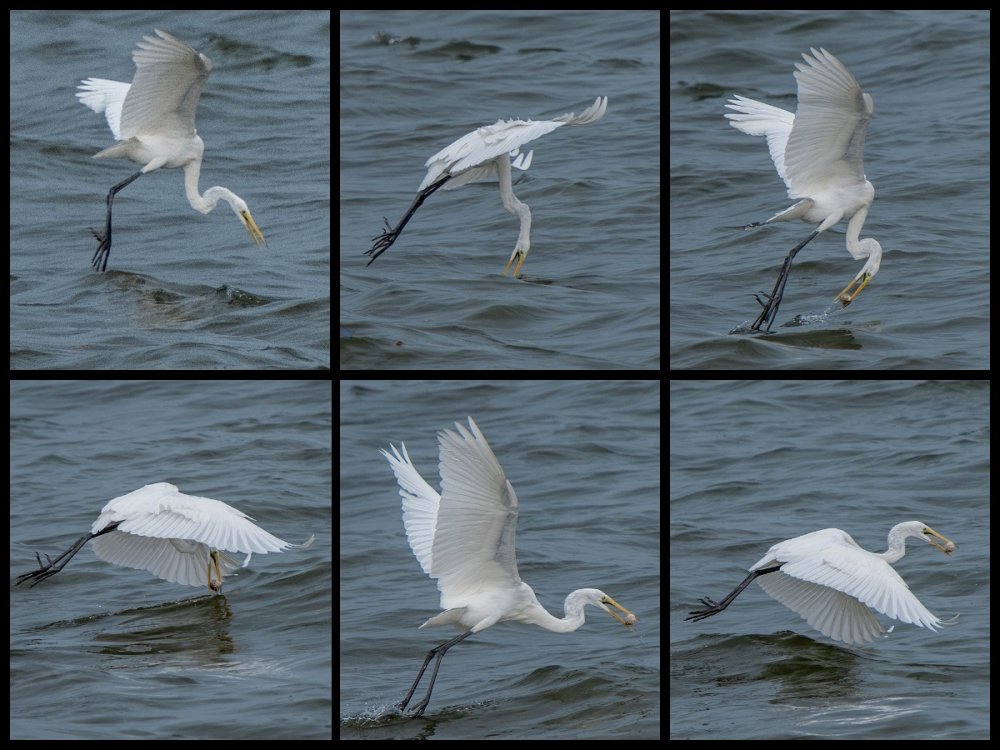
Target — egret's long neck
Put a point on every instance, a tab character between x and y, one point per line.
207	202
565	624
897	547
854	231
192	172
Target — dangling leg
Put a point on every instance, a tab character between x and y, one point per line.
713	608
104	241
54	566
384	241
441	650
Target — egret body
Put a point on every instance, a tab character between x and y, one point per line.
485	154
819	154
177	537
153	121
831	582
464	538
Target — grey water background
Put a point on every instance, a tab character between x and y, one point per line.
183	290
104	652
414	81
584	459
927	154
753	463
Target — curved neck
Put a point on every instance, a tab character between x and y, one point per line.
854	231
207	202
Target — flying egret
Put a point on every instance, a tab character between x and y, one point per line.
153	121
464	538
485	154
828	579
176	537
819	153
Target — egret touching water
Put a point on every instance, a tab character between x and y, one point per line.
177	537
819	153
152	119
464	538
485	154
828	579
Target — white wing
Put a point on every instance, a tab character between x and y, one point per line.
420	506
757	118
502	137
105	97
827	142
166	87
474	544
827	579
463	537
161	511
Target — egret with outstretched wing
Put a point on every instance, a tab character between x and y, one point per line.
177	537
831	582
485	154
819	153
464	538
152	119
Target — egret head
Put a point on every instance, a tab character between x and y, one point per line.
214	581
214	194
602	600
931	537
251	226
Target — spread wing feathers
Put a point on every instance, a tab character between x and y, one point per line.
474	548
478	148
827	579
834	614
832	119
420	507
476	514
161	511
166	87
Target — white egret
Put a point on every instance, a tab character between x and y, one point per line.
828	579
176	537
819	153
153	121
485	154
464	538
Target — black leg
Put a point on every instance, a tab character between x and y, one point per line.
54	566
770	311
384	241
713	608
104	241
441	650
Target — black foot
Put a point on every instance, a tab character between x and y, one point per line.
100	260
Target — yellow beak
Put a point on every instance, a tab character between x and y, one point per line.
251	226
629	619
948	547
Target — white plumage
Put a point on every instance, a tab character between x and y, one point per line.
486	154
464	537
176	537
833	584
158	521
819	154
